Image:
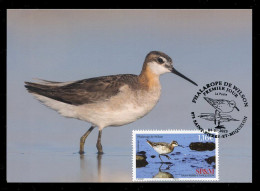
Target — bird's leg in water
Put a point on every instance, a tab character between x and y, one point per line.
83	138
160	157
167	156
99	146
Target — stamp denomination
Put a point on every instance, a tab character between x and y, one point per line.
174	155
219	107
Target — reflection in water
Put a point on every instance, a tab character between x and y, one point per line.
86	167
162	174
99	157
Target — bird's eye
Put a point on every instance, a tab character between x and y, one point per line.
160	60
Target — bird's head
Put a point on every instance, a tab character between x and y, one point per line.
160	63
233	105
174	144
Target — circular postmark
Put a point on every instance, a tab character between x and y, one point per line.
219	107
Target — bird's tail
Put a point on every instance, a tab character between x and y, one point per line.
149	142
209	100
36	88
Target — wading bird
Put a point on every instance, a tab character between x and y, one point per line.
221	106
105	101
163	148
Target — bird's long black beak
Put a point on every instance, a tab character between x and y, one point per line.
173	70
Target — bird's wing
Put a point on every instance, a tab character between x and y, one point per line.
51	83
83	91
162	144
214	102
41	81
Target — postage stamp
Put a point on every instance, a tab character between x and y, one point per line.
174	155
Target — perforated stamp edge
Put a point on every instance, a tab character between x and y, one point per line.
171	131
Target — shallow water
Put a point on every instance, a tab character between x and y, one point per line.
64	164
47	165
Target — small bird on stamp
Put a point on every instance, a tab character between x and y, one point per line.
221	106
105	101
163	148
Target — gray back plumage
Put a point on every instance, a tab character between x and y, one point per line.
85	91
154	144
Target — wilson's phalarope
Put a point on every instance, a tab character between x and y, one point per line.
163	148
221	106
109	100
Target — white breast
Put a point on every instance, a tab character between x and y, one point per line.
124	108
162	149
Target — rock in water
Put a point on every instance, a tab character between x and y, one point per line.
141	160
141	153
199	146
211	159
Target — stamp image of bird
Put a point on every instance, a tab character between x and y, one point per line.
221	107
105	101
163	148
